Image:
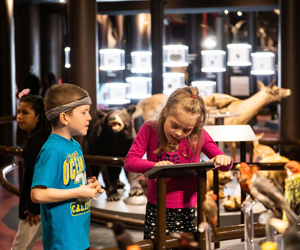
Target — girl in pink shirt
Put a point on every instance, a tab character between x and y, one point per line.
176	137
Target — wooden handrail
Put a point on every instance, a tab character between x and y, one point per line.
224	233
7	119
119	161
104	160
275	141
12	151
99	216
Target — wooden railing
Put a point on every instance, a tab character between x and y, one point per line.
7	119
224	233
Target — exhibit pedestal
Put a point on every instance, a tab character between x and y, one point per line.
161	173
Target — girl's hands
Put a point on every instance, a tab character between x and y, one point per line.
31	218
221	160
161	163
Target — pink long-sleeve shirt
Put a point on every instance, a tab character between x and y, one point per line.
181	192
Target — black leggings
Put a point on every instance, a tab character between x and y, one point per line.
181	219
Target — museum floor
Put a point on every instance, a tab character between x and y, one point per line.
100	236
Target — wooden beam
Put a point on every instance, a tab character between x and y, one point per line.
186	6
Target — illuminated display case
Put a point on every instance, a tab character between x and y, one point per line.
172	81
141	62
139	87
116	93
239	54
263	63
175	55
213	60
205	87
112	59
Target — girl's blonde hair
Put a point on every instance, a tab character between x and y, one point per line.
189	100
61	94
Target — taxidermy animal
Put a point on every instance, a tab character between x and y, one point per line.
267	35
224	178
237	32
186	241
151	107
261	151
246	173
111	29
272	198
259	187
292	168
247	108
232	203
210	212
264	153
292	185
111	134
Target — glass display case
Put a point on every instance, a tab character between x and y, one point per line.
175	55
263	63
172	81
116	93
213	61
239	54
205	87
141	62
112	59
139	87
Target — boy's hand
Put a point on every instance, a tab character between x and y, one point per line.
96	184
87	191
162	163
31	218
221	160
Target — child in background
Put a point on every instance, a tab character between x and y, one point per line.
31	119
177	137
59	181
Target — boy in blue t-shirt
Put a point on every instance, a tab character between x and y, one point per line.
59	181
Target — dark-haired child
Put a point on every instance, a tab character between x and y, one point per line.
31	119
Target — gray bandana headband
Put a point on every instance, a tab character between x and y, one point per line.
55	112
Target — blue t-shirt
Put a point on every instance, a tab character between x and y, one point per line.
60	165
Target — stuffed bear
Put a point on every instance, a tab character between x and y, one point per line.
111	134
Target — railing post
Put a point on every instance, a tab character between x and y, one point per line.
161	212
201	192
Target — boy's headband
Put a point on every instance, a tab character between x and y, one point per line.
52	113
